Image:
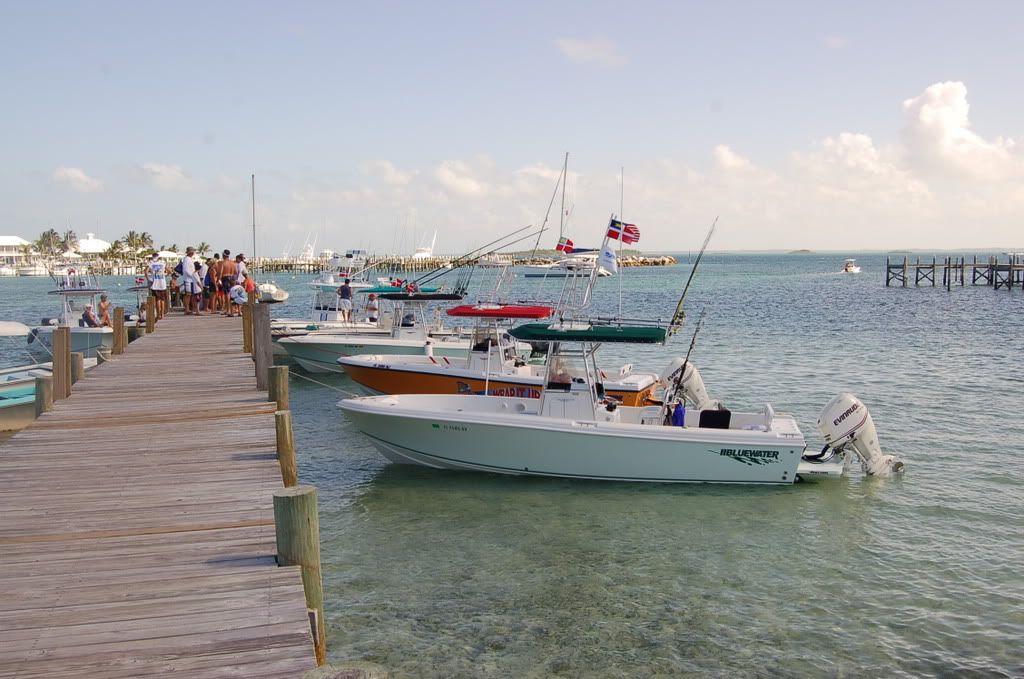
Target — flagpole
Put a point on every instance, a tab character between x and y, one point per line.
622	218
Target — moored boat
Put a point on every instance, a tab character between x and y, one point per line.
75	290
575	431
850	266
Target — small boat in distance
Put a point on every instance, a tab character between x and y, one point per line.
850	266
270	293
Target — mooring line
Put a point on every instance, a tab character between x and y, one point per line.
323	384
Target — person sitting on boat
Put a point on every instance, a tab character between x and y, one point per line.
105	311
89	319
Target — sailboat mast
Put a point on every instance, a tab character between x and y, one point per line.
561	212
253	178
622	193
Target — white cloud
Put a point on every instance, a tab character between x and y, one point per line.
168	177
939	138
728	159
386	171
597	50
458	177
77	179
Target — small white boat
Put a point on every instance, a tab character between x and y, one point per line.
575	431
582	265
75	290
270	293
850	266
33	270
401	329
8	270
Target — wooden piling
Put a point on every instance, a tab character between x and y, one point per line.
77	366
286	448
261	347
298	544
61	362
277	386
120	333
150	314
44	394
246	329
904	271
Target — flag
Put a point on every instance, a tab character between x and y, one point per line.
606	260
564	245
627	233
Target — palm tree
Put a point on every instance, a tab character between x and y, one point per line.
133	241
172	248
203	248
146	240
50	243
117	250
69	241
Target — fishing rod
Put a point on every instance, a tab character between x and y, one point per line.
682	368
473	255
680	314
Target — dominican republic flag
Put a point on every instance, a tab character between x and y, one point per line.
627	233
564	245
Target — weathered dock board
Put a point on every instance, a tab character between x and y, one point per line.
137	523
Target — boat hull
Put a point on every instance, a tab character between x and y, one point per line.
386	377
84	340
507	439
321	356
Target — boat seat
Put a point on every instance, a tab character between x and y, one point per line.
715	419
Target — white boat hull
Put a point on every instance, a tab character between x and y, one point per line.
505	436
320	353
84	340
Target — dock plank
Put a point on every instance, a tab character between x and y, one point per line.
136	522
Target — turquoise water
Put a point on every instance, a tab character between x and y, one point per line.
439	574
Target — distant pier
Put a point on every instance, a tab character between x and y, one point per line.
989	271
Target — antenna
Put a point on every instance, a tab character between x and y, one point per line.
680	315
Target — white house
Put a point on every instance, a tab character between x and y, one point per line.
10	249
90	245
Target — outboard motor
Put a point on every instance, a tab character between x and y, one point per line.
845	421
692	386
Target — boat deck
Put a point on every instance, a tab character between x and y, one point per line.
137	527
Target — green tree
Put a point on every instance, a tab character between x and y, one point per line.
69	241
172	247
203	248
50	244
117	250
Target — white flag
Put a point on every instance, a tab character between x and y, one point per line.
607	260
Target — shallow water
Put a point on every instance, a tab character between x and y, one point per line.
434	573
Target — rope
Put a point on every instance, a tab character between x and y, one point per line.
322	384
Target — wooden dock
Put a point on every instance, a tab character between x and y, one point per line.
990	271
137	523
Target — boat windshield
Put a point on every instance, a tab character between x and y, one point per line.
566	368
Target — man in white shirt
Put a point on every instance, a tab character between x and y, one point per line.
156	275
190	288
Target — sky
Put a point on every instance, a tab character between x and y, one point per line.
828	126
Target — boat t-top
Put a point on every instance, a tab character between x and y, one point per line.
575	430
75	290
850	266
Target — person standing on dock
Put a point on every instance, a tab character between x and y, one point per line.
228	274
189	282
215	292
156	274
